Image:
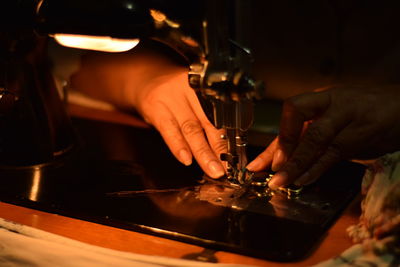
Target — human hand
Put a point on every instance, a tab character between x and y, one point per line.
172	107
319	129
150	80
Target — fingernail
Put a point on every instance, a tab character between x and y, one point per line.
185	157
278	161
252	166
216	169
279	179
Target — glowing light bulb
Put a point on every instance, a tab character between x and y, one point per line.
98	43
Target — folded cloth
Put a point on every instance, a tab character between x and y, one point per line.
22	245
378	232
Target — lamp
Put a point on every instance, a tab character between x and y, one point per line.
98	43
117	25
35	128
110	26
207	39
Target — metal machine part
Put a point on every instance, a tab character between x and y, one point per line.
255	185
225	89
219	70
212	39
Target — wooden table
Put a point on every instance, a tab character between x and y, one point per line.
335	242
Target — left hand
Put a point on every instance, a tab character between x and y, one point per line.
319	129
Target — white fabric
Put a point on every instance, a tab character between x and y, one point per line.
22	245
378	231
357	256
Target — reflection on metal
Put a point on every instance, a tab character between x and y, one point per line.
39	4
160	18
292	191
257	184
175	234
253	196
35	187
147	191
256	197
206	255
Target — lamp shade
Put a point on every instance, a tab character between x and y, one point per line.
123	19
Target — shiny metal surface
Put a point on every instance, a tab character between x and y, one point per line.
221	77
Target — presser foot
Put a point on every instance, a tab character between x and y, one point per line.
255	184
258	185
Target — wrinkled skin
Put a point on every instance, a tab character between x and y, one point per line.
157	87
319	129
172	107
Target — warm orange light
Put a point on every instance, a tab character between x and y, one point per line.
98	43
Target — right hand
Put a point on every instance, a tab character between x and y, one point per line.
172	107
159	90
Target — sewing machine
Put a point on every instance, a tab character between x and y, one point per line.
237	214
210	36
219	73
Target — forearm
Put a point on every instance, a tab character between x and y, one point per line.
118	78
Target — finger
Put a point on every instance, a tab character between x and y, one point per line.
278	160
193	126
180	127
296	111
214	135
169	129
193	132
264	160
280	157
215	138
315	139
175	107
331	156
